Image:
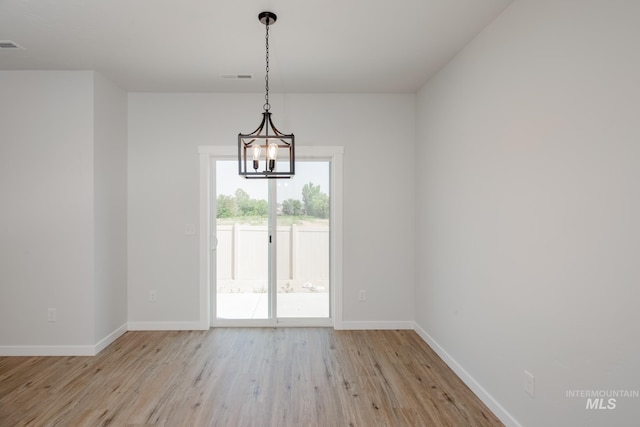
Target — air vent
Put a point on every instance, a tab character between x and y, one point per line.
9	45
236	76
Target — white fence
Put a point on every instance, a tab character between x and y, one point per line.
242	252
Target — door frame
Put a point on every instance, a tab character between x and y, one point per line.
208	155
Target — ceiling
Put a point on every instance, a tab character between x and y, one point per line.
187	45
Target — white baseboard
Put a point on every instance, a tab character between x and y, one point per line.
347	325
62	350
165	326
475	387
47	350
92	350
104	343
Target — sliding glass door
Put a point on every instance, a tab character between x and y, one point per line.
272	246
242	252
303	242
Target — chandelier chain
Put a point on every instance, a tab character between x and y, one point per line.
267	106
266	152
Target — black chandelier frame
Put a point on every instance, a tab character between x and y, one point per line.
266	136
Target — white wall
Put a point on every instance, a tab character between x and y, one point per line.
46	188
165	131
527	209
110	207
63	216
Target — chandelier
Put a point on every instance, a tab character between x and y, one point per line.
266	152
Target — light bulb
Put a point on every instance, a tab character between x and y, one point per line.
273	151
257	149
256	152
272	154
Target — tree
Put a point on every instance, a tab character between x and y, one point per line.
259	208
316	203
248	206
243	202
292	207
226	206
240	205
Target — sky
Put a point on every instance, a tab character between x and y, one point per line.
228	180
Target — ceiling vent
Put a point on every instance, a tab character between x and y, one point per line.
236	76
9	45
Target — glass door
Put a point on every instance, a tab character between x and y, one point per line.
273	245
242	252
303	242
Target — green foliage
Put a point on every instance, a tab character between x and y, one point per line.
292	207
240	205
316	203
227	207
248	206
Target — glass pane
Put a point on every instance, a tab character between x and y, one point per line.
242	261
303	242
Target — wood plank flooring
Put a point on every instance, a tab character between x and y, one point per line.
242	377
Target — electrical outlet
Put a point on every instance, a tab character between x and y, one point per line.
51	315
529	384
153	295
362	295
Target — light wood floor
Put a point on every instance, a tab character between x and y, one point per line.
242	377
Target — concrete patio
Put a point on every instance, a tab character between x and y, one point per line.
255	305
